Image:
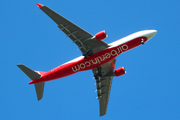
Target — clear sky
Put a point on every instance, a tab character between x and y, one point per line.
149	91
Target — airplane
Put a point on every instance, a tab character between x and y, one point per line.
98	56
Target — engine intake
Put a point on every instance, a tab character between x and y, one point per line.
120	71
101	35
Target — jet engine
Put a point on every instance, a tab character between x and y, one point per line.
101	35
120	71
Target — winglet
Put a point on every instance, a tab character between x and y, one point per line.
39	5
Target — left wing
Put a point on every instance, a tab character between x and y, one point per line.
103	76
82	38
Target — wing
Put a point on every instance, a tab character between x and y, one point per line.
82	38
104	84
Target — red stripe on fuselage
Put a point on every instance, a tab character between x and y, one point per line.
91	62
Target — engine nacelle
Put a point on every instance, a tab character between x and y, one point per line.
101	35
120	71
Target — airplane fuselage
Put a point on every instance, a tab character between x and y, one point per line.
97	59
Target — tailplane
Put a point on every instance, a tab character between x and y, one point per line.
30	73
34	75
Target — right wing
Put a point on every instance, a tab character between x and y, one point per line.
82	38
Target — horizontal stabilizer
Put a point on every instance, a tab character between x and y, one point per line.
34	75
30	73
39	90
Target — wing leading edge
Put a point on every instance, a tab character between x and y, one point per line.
103	76
82	38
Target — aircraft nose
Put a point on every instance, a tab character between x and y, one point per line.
150	34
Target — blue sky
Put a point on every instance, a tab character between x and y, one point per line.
149	91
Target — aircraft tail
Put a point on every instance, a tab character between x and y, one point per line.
34	75
39	90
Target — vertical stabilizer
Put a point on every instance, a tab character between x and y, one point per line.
39	90
34	75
